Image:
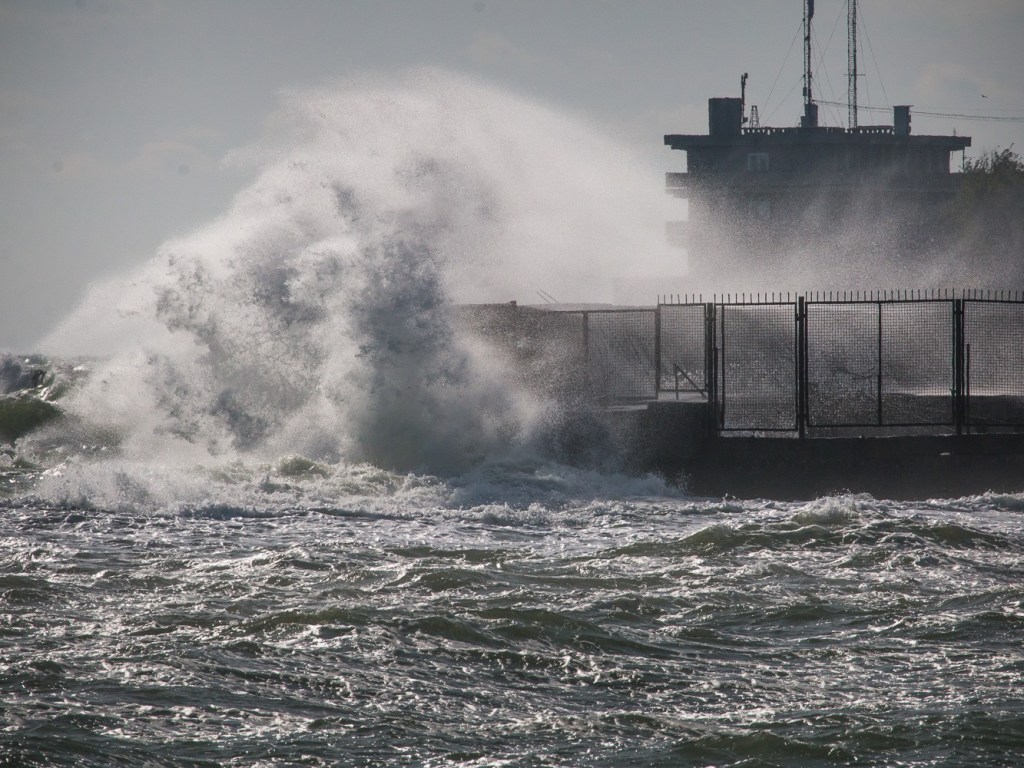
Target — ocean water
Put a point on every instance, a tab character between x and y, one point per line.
293	514
522	614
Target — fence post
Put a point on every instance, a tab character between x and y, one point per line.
711	364
958	365
801	366
967	387
720	383
657	353
879	390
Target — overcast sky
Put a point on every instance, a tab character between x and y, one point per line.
116	116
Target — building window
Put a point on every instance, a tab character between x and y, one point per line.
757	161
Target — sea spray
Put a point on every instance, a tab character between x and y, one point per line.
314	317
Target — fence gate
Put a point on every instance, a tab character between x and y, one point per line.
993	363
683	347
917	363
843	364
757	366
881	362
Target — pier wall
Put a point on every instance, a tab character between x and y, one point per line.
795	395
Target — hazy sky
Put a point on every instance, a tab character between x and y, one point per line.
115	116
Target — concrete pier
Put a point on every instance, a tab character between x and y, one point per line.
676	439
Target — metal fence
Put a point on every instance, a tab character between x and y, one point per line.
993	361
816	361
879	361
757	373
683	348
644	353
622	353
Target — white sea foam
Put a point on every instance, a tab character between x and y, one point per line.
314	316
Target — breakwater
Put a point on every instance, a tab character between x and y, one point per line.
812	393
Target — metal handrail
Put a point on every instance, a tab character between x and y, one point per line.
677	371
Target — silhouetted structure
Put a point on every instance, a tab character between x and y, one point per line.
760	192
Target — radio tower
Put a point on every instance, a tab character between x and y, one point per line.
810	118
851	61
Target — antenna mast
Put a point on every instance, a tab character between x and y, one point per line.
743	97
851	62
810	118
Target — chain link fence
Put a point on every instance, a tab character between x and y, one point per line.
842	364
918	362
684	348
621	353
874	360
994	363
880	363
757	363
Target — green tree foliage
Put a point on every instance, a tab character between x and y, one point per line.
989	218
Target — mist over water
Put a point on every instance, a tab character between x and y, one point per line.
314	316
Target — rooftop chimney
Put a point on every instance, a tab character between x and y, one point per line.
725	116
901	120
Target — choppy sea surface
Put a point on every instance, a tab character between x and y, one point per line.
521	614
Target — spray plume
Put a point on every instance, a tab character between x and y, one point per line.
314	316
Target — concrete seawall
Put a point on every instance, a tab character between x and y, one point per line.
676	440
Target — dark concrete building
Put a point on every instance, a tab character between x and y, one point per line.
758	194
